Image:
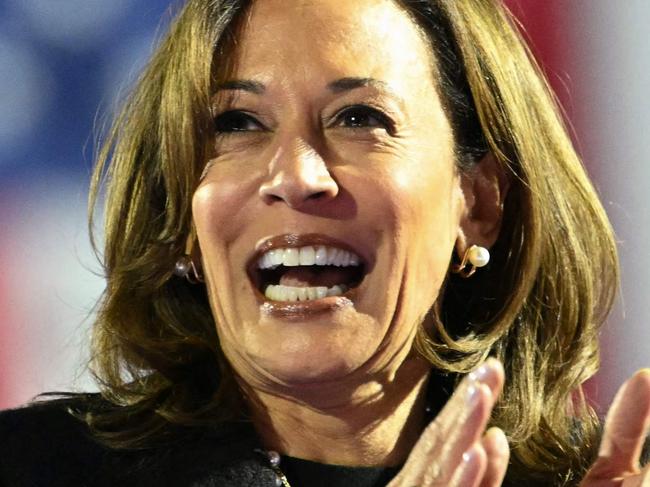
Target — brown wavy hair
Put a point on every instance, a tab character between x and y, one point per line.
537	307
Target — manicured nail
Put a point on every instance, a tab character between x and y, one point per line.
479	374
500	440
470	455
472	395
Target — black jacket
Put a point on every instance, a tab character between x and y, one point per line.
44	445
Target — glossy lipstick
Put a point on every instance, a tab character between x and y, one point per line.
301	309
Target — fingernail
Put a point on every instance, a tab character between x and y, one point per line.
469	455
500	440
472	395
479	374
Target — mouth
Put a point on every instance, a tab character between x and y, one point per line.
291	269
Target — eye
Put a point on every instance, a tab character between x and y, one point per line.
236	121
362	117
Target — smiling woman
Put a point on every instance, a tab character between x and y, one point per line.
301	198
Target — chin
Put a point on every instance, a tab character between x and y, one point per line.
327	347
307	369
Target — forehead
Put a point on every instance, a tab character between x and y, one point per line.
331	39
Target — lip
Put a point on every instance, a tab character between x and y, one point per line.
303	309
300	309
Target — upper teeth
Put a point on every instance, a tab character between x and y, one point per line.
309	255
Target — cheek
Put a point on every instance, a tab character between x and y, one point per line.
426	198
219	215
428	214
219	207
209	212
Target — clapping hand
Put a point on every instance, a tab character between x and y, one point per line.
626	427
454	450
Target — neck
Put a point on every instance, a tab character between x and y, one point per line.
376	425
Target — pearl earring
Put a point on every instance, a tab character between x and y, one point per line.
185	267
476	256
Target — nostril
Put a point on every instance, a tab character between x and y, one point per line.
319	195
295	191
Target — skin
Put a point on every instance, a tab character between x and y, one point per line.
392	193
343	386
626	427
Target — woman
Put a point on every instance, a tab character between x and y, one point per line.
301	196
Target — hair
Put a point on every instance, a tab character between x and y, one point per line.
537	307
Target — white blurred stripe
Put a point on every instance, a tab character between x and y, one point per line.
611	93
48	289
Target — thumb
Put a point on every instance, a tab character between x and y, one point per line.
625	430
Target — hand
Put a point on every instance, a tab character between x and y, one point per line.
625	431
454	451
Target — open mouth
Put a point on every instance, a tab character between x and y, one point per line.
306	273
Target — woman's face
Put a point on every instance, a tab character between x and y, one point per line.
330	138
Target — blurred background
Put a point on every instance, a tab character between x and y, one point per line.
63	64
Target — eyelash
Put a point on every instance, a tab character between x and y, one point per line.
365	111
221	121
225	122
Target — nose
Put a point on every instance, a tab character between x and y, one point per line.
297	176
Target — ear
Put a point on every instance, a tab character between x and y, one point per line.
484	187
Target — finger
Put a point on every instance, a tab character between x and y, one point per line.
471	469
468	411
438	452
645	477
639	480
642	480
625	430
484	385
469	430
489	374
496	447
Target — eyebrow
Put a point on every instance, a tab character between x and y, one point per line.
242	85
350	83
347	84
338	86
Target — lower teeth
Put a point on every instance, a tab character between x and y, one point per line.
292	293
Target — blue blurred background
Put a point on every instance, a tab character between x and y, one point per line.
63	65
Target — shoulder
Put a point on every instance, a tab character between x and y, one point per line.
46	443
39	421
